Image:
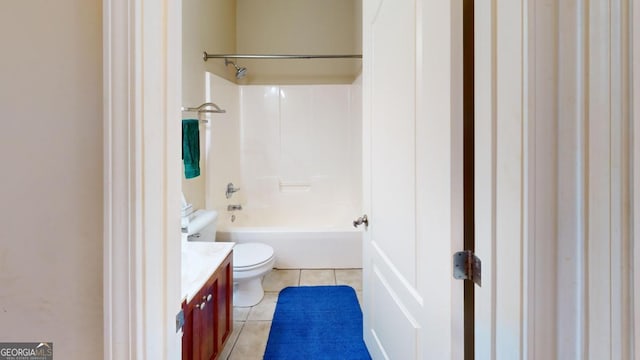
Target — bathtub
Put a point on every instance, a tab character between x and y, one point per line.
300	247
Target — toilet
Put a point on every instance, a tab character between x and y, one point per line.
251	261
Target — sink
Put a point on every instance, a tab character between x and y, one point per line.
199	262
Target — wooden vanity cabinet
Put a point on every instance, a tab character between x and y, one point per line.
209	315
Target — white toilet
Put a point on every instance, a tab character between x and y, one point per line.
251	261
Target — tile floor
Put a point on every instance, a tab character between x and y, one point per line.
251	325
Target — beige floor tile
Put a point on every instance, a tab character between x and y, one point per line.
278	279
265	308
252	324
317	277
350	277
252	341
241	313
226	351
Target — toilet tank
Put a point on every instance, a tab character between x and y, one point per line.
201	225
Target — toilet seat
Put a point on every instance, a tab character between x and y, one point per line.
250	256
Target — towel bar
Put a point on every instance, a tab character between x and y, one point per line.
204	108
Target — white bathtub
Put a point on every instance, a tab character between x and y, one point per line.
309	247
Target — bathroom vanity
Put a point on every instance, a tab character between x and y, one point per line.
207	288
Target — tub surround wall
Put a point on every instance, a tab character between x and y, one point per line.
295	152
298	152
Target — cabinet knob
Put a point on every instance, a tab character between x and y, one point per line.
202	305
209	297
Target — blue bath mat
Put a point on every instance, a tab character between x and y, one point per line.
317	322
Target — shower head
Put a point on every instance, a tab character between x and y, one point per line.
240	71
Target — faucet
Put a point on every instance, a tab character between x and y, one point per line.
234	207
230	190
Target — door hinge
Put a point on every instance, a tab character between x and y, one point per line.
467	266
179	320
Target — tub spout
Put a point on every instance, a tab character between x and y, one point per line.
234	207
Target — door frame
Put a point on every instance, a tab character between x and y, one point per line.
516	68
141	101
501	155
142	62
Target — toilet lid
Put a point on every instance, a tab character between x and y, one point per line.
251	254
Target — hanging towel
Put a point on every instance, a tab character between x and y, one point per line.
191	147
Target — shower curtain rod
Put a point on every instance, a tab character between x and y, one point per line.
206	56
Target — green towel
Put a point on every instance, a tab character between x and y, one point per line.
191	147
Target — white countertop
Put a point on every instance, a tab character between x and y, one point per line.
199	261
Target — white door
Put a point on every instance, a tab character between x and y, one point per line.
412	156
412	179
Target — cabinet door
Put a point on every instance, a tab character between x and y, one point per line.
204	321
224	303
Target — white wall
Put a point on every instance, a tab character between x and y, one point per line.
51	193
299	27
